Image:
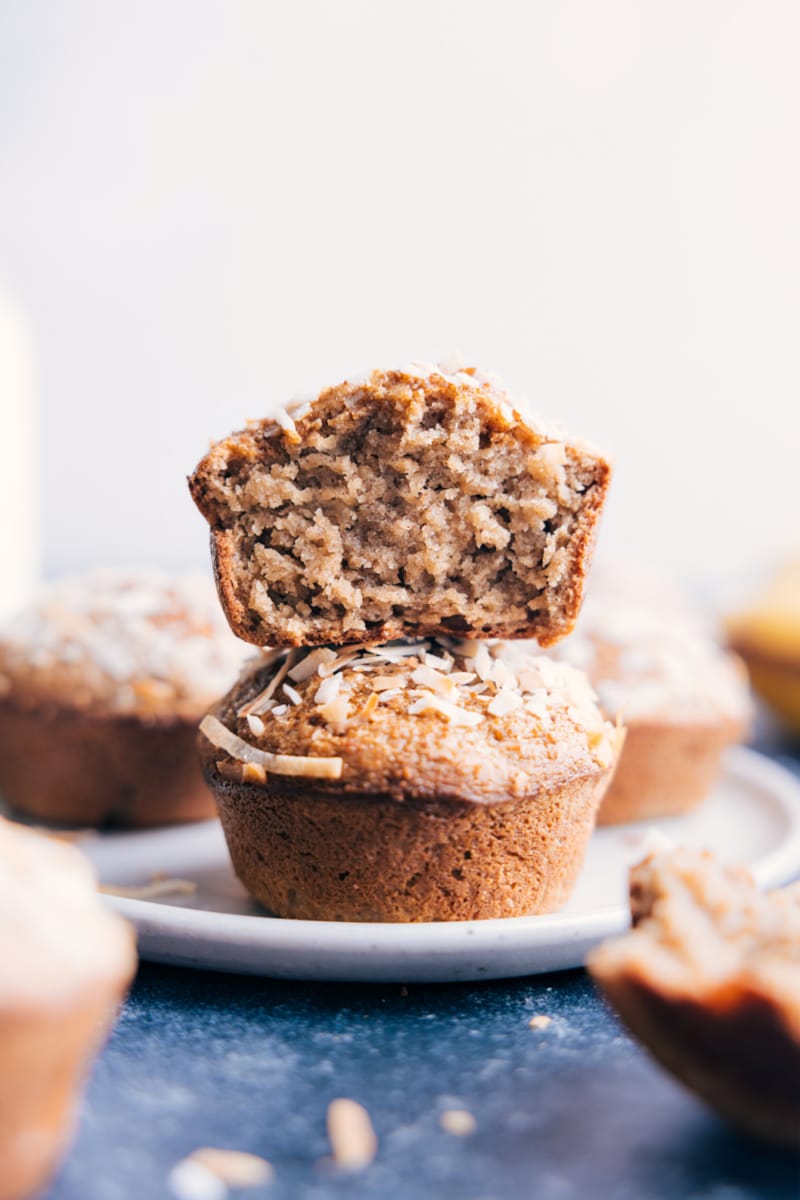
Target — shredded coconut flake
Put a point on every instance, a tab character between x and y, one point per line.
352	1138
154	890
328	690
435	681
234	1167
458	1122
336	711
506	701
261	702
285	421
189	1180
540	1021
279	764
384	683
454	714
309	665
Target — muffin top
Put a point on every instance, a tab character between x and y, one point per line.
434	719
56	935
120	643
649	658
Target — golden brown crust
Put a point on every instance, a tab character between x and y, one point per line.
427	819
494	539
87	770
315	855
665	769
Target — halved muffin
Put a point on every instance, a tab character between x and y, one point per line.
411	781
102	682
709	981
65	963
409	503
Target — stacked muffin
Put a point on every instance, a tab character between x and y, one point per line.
388	759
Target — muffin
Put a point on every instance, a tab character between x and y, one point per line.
65	964
435	780
767	636
102	682
683	699
709	981
409	503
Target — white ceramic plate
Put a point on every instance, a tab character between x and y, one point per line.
753	816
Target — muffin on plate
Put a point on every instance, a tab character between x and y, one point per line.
682	698
433	780
408	503
65	965
767	636
709	981
102	682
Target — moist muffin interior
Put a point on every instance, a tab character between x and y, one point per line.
407	504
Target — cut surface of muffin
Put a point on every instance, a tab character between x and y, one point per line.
709	981
682	698
412	502
65	963
102	682
427	780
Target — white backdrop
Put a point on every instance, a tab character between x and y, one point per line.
207	207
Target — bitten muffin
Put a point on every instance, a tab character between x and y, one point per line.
410	503
683	699
102	683
413	781
767	636
65	964
709	981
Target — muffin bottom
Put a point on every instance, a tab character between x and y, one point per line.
665	769
81	769
315	855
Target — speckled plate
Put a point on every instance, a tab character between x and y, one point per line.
753	816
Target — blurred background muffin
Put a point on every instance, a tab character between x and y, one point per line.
682	698
103	680
767	636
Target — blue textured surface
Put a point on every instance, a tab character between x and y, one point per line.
576	1110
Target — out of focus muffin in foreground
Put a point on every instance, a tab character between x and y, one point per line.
65	964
